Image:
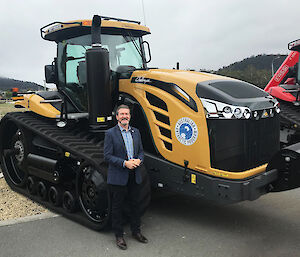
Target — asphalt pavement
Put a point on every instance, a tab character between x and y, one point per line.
175	226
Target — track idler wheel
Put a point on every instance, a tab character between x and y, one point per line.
31	185
93	195
13	152
55	196
42	190
69	202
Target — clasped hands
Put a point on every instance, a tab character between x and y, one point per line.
132	163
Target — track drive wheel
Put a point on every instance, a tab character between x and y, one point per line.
93	195
13	152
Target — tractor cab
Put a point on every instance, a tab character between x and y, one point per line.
121	38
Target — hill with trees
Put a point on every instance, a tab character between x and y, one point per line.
7	84
256	70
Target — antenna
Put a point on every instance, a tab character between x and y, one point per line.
143	12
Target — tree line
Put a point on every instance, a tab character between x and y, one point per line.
6	84
256	70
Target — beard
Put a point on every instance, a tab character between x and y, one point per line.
124	121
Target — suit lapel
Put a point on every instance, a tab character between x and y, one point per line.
120	137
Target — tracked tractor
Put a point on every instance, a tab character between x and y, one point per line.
204	135
284	86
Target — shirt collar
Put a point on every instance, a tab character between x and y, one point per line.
122	129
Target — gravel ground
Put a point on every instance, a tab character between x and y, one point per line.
14	205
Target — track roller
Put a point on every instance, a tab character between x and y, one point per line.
55	196
31	185
42	190
69	202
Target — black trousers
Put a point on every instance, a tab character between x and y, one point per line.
131	191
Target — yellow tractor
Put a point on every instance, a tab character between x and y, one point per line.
204	135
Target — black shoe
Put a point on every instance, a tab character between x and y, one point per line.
121	243
139	237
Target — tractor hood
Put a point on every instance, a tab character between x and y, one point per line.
236	93
189	85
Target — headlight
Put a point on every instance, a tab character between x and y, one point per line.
227	112
238	113
247	114
215	109
211	108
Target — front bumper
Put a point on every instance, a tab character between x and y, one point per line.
174	178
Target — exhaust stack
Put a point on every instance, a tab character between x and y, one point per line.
98	81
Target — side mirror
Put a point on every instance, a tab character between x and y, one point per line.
50	74
147	58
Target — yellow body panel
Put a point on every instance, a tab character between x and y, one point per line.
17	98
33	103
233	175
197	154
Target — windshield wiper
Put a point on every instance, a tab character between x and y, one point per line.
72	58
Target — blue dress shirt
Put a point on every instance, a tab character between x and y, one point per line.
127	137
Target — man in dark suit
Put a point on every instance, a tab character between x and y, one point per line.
124	153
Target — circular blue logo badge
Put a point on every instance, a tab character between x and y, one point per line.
186	131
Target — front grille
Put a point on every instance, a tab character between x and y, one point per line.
238	145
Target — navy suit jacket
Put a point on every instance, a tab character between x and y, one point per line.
115	154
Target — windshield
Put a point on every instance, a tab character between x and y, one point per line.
123	50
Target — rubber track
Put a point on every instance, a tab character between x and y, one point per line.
81	145
290	113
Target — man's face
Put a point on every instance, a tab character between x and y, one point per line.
123	116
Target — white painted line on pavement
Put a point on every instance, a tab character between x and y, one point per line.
41	216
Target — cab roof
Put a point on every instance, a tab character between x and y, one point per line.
58	31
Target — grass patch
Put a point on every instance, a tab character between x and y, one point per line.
7	107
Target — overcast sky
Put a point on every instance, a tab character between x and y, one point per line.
199	34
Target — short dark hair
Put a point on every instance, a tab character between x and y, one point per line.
122	106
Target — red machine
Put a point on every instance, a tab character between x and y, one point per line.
285	75
284	86
15	91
